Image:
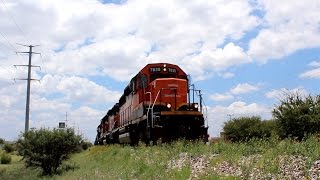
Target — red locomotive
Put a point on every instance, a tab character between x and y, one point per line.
155	106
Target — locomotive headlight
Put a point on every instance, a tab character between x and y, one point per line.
168	105
196	106
164	69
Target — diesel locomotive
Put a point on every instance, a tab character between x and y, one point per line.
159	104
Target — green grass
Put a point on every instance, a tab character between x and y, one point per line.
153	162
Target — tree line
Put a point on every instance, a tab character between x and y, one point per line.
295	117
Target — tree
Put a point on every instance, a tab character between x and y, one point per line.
246	128
48	149
297	116
2	141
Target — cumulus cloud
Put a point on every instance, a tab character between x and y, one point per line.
50	99
217	60
87	92
221	97
227	75
285	31
281	93
218	115
239	89
116	40
76	89
243	88
314	64
84	39
313	73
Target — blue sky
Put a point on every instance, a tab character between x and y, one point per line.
243	54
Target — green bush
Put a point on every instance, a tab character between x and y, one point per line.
2	141
85	145
268	128
297	117
5	158
48	149
8	148
246	128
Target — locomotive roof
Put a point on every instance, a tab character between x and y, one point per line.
161	65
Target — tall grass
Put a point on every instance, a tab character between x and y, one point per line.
162	161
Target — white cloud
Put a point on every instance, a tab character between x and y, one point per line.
76	89
87	92
227	75
86	119
218	115
314	64
221	97
314	73
279	94
284	30
84	39
215	60
50	99
244	88
122	35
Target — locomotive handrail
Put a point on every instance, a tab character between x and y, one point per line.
153	107
148	107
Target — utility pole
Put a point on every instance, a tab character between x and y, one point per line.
29	79
66	119
230	116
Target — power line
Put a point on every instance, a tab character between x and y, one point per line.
4	45
6	69
4	37
10	14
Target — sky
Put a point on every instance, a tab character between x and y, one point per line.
243	54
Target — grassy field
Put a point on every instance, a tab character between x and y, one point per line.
266	159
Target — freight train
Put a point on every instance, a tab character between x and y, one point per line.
158	105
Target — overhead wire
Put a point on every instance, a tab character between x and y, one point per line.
4	67
14	21
4	45
10	44
10	13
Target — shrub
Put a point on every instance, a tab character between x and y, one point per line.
268	128
8	148
297	116
246	128
5	158
2	141
48	149
85	145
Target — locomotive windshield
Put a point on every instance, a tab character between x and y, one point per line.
157	76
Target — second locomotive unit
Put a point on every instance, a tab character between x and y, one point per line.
157	105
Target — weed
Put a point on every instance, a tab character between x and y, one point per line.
177	160
5	158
